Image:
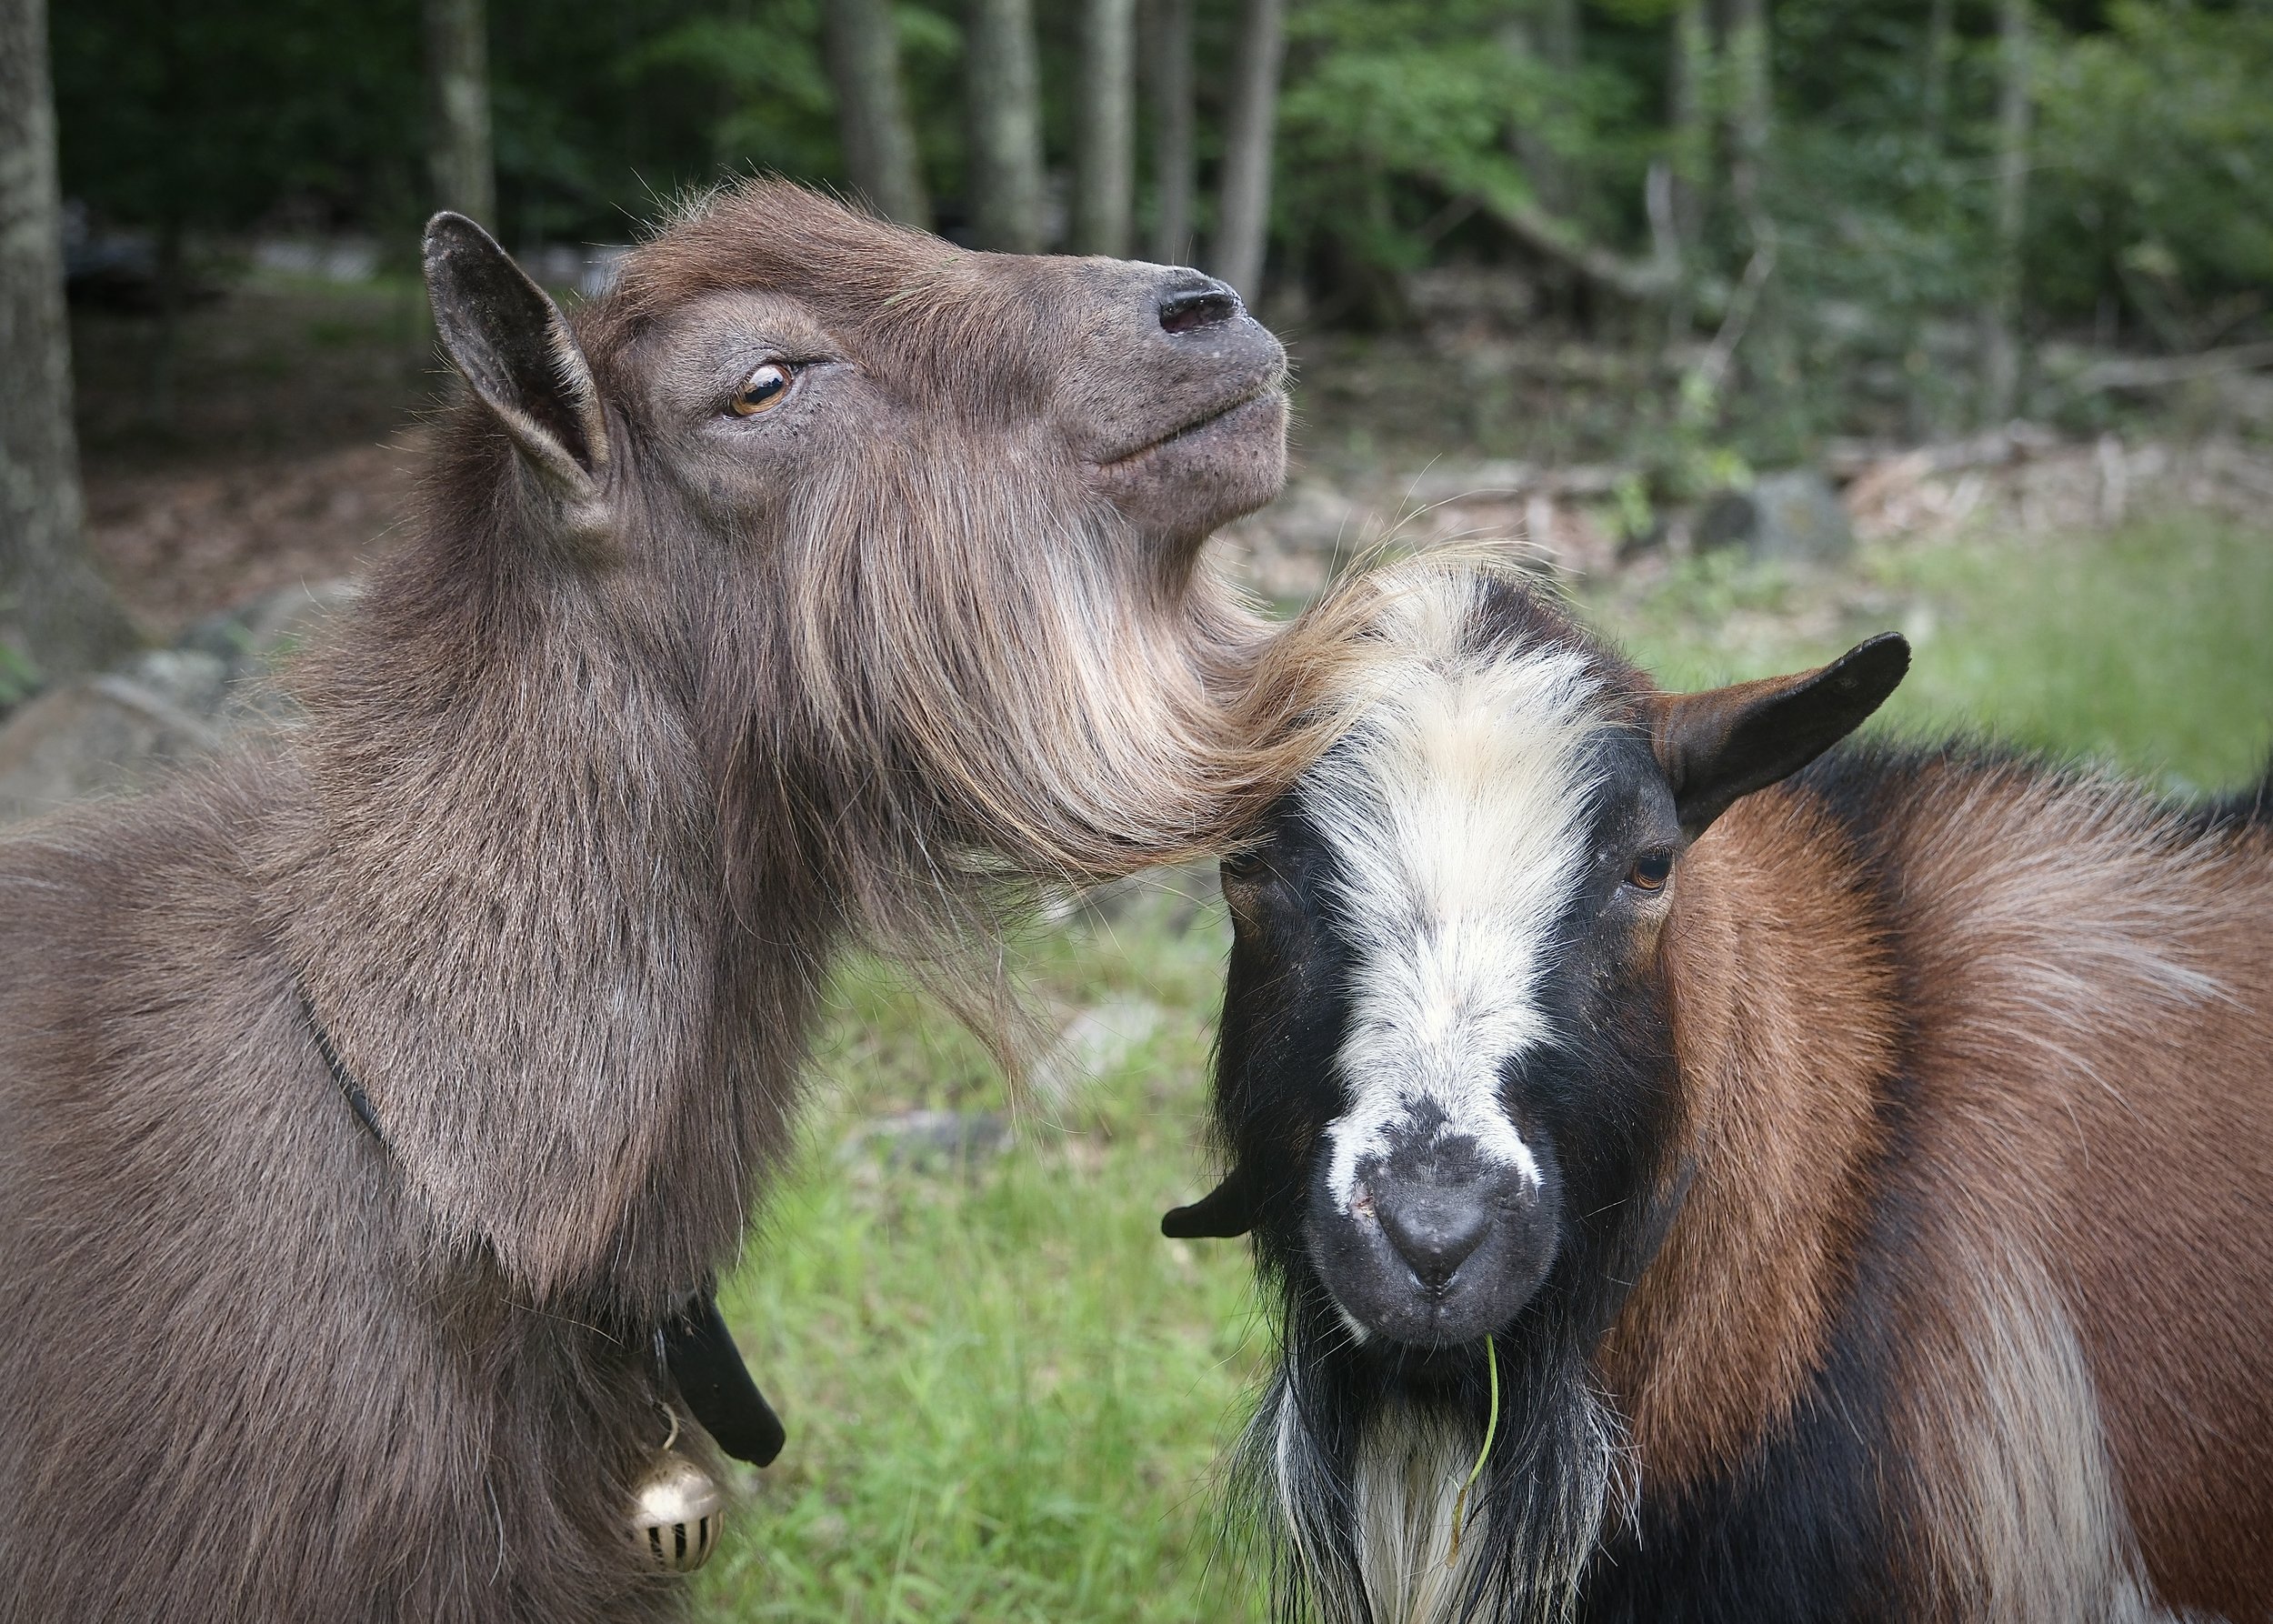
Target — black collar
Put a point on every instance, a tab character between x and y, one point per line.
351	1090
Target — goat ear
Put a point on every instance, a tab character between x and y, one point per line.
514	349
1225	1213
1717	746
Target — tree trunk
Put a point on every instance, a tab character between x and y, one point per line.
1940	27
1103	158
2003	368
880	154
1243	215
1744	49
1006	119
1171	86
1550	34
1645	281
457	82
1689	95
1740	83
1559	36
56	615
177	107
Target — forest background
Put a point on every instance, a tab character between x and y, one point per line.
1914	184
1752	228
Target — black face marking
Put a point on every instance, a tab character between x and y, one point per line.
1433	1243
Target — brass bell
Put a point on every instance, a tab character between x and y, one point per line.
675	1514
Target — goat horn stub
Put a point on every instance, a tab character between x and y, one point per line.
1225	1213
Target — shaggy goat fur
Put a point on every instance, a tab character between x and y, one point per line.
661	704
1908	1146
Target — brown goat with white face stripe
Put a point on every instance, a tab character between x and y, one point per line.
1853	1181
367	1109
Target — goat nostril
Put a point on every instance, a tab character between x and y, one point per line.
1435	1234
1209	305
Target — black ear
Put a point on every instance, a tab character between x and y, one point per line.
1728	742
511	343
1225	1213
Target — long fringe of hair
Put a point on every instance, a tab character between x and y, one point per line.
1559	1470
959	708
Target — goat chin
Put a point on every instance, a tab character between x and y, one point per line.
1366	1476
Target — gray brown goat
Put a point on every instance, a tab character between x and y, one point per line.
366	1107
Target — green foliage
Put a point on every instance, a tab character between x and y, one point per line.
1418	101
602	115
1405	127
1399	118
771	92
19	678
210	114
2158	162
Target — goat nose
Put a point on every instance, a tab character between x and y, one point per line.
1434	1227
1202	303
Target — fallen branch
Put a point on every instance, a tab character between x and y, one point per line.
1505	480
2162	371
1645	281
1712	368
1883	478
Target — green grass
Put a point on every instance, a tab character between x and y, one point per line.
1007	1395
2149	649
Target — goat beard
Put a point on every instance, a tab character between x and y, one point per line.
951	693
1557	1471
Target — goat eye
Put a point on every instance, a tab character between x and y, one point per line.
762	390
1650	871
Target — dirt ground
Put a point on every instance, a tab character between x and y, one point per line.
275	444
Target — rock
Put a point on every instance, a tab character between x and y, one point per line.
929	1138
282	622
258	638
196	681
1097	1042
1795	516
122	730
104	735
925	1139
254	635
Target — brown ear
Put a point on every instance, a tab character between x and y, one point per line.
1724	743
511	342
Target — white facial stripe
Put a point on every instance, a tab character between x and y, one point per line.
1457	813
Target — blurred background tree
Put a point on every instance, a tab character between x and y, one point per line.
1890	200
464	173
57	616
